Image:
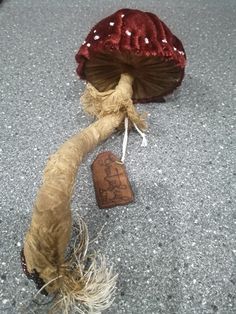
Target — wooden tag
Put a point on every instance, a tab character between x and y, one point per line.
111	182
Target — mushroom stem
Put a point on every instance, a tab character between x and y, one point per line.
50	229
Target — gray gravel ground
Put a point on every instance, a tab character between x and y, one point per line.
175	247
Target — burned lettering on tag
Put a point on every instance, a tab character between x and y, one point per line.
111	183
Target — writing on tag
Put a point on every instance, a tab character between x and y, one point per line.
111	183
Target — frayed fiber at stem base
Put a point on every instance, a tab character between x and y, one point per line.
85	288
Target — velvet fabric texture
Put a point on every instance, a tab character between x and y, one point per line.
136	36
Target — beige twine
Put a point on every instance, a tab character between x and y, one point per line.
100	104
50	229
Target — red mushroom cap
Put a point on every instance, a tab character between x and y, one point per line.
135	42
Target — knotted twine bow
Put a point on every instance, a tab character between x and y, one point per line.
114	101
